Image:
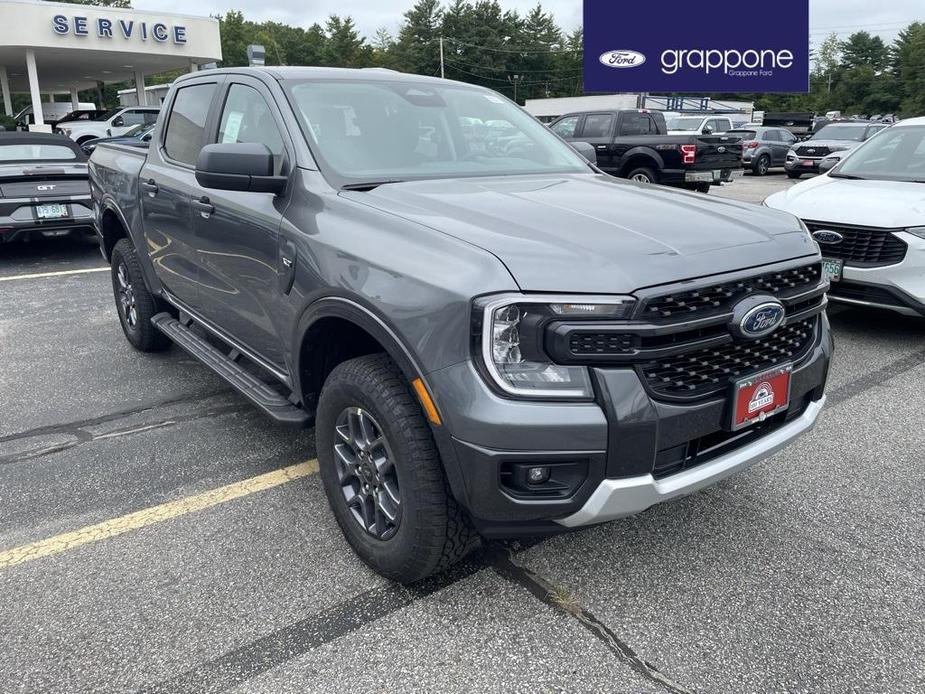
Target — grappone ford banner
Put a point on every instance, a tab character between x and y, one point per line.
680	46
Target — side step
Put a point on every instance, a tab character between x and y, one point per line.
251	387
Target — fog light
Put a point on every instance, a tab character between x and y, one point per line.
538	475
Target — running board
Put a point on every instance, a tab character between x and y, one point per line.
251	387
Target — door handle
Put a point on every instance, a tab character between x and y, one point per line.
203	206
149	186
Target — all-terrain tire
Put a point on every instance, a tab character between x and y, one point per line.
433	531
138	306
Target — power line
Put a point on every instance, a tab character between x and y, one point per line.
451	58
508	81
523	49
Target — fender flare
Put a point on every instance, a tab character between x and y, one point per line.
356	312
108	204
646	152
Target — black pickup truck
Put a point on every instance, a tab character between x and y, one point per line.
633	144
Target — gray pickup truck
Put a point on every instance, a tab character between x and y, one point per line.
490	336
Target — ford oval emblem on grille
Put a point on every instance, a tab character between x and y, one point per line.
762	320
828	237
720	149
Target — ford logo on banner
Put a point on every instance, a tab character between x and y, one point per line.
622	59
684	49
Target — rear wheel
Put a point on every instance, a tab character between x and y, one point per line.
134	303
382	473
643	174
762	166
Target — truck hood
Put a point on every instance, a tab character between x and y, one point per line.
594	233
838	145
886	204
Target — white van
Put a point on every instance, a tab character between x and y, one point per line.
52	112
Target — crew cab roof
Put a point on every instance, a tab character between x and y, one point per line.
279	72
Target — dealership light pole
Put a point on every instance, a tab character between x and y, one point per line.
514	81
442	75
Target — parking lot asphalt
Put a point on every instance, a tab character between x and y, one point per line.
148	543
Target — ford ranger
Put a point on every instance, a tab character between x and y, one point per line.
489	335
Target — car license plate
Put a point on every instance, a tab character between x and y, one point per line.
755	398
807	162
832	268
51	211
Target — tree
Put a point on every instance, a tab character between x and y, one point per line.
908	58
344	46
862	49
827	61
417	49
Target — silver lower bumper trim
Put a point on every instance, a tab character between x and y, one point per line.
615	498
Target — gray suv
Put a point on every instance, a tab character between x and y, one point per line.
490	336
763	147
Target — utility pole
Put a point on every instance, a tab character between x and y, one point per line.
442	75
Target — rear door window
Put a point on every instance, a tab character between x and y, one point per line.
186	127
633	123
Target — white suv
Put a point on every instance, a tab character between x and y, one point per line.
868	216
698	125
110	124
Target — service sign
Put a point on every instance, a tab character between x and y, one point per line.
686	46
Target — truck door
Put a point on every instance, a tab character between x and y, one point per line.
237	233
167	183
597	130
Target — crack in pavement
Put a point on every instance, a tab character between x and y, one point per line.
849	390
82	436
552	596
76	426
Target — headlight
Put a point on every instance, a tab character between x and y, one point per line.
917	231
511	342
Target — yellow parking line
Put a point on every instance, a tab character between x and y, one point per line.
59	273
154	514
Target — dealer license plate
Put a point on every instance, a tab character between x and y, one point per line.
51	211
755	398
807	162
832	268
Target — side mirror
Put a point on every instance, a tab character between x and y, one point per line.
118	122
585	149
707	130
246	166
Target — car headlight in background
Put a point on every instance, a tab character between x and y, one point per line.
511	331
917	231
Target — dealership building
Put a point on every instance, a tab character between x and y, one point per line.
53	50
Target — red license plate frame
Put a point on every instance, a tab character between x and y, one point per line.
759	396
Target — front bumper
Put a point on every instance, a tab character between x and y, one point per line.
616	498
899	287
615	455
793	165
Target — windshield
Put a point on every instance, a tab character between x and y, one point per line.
379	131
841	132
108	114
897	154
685	124
36	152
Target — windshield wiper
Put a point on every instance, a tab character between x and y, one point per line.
851	177
371	185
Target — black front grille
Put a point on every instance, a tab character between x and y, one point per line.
862	246
720	297
811	151
585	343
707	371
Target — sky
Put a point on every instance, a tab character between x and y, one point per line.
885	18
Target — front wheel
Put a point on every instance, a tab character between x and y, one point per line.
793	174
134	303
382	473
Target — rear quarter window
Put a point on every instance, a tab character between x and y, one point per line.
36	152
